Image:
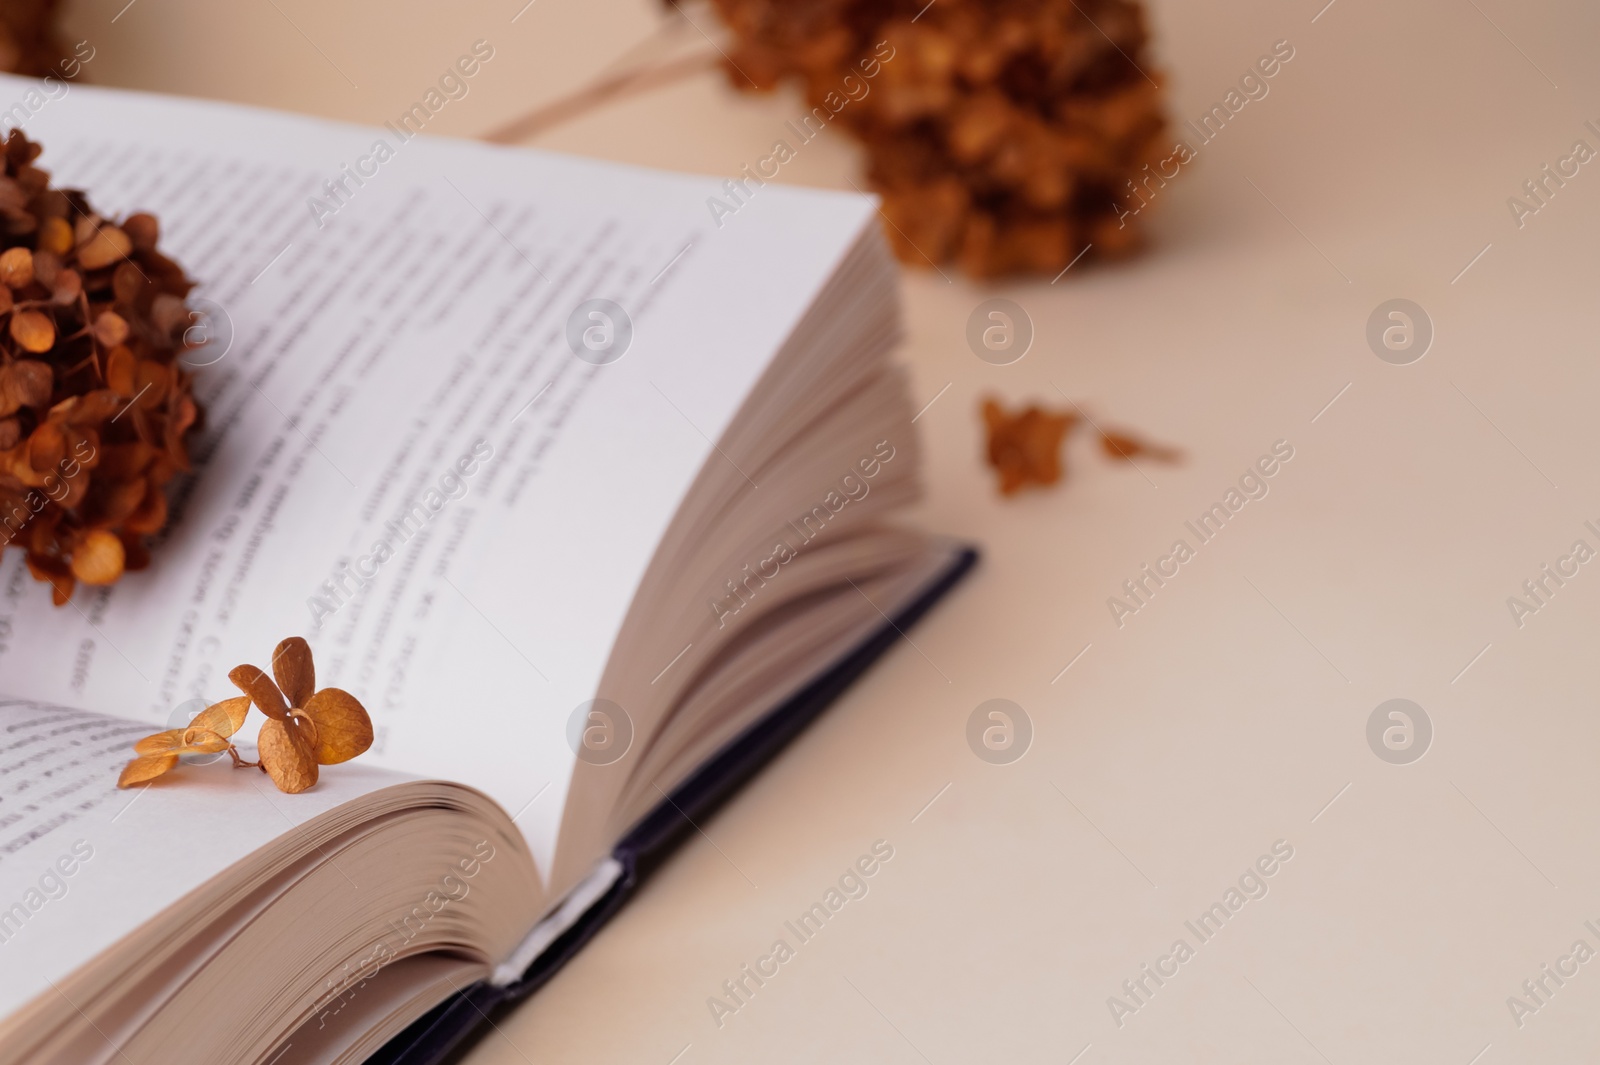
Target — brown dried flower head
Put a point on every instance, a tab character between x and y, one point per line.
29	41
305	728
1009	135
94	403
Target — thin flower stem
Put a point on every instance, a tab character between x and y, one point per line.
240	763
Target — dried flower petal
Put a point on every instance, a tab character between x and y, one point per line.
105	245
294	670
166	742
99	558
343	728
143	230
203	741
46	268
67	288
1128	448
121	366
259	687
224	718
168	314
25	383
286	755
16	267
145	768
150	381
110	328
150	515
1025	448
55	236
191	740
47	447
33	330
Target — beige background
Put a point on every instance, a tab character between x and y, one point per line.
1230	711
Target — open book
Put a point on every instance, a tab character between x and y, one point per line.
583	494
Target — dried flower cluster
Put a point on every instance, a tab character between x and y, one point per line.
28	41
94	404
305	728
1005	134
1024	447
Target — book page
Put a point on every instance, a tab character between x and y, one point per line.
427	447
83	864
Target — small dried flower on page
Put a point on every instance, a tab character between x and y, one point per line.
208	733
305	728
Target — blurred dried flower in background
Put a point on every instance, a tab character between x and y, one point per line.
1122	446
1024	447
1005	134
28	41
94	404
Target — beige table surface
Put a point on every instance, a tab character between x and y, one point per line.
1231	711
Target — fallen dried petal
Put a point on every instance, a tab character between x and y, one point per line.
259	687
1025	448
286	756
144	768
343	728
294	670
1128	448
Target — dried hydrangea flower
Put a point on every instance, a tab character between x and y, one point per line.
92	326
1008	135
305	728
1025	447
207	734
